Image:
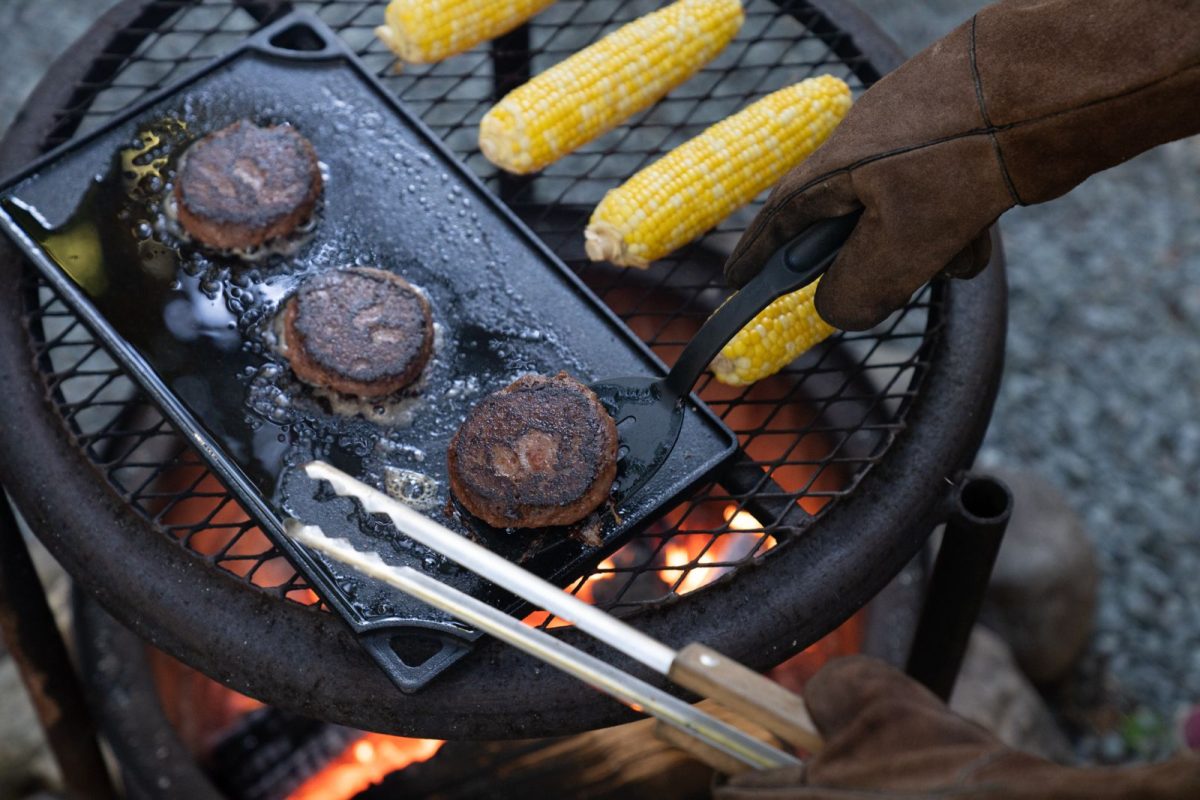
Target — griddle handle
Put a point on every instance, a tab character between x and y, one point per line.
299	36
793	266
386	645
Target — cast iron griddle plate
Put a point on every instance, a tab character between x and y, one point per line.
196	330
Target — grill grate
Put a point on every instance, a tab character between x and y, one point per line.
807	435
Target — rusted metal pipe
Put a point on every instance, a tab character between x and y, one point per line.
33	641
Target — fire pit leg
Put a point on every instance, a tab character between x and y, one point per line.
980	509
33	640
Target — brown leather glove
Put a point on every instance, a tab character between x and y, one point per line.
888	737
1016	106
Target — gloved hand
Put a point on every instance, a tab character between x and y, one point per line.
1016	106
886	736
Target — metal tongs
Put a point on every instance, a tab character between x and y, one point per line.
696	667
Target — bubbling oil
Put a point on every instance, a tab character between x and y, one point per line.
203	321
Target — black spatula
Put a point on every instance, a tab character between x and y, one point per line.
649	411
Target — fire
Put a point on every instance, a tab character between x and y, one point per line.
366	762
716	541
305	597
585	592
682	551
202	711
697	559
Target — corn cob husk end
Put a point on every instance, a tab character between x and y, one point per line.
403	46
500	145
385	35
395	42
725	371
603	242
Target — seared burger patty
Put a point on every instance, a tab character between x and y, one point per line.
363	332
244	185
542	451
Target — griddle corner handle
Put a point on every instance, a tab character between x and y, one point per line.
299	36
429	652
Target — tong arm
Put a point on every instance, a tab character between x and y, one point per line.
696	667
739	688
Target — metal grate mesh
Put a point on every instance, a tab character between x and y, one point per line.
807	434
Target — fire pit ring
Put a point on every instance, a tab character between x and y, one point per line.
921	430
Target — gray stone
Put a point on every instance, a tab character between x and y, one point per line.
1042	598
1112	748
992	692
25	763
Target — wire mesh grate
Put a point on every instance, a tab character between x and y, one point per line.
807	435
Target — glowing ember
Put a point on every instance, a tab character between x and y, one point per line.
695	560
586	593
718	538
305	597
367	761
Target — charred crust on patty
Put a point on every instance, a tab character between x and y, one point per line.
245	185
364	332
540	452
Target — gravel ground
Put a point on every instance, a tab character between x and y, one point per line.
1101	397
1101	394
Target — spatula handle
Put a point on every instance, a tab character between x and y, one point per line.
793	266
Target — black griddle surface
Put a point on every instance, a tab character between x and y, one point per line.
197	330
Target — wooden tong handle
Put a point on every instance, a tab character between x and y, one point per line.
760	700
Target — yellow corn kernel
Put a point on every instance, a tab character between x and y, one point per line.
779	335
425	31
604	84
695	186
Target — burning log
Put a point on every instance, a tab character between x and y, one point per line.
625	762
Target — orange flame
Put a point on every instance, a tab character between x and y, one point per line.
367	761
586	593
691	560
701	558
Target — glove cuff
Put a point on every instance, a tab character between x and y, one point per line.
1068	88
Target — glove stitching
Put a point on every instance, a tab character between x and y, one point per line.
778	206
971	768
987	121
1098	101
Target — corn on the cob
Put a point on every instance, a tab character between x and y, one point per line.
596	89
425	31
775	338
704	180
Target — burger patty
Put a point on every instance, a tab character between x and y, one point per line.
244	185
542	451
364	332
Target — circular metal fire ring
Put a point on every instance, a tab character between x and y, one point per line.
298	658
